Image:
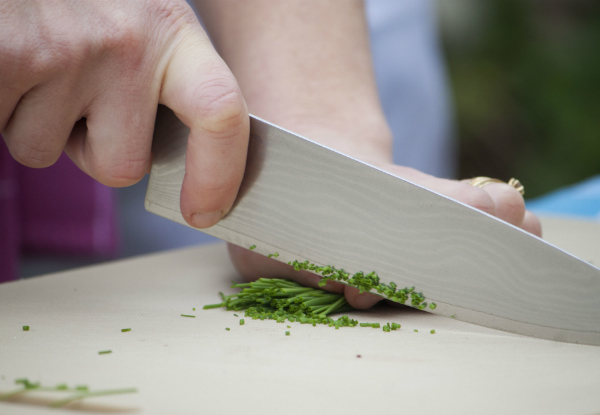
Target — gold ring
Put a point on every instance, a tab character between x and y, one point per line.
483	181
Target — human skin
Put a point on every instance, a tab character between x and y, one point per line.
306	66
86	77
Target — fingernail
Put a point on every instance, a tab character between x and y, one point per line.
206	219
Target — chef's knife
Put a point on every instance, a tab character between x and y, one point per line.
308	202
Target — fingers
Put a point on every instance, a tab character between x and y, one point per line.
203	93
252	266
532	224
358	300
42	122
508	202
113	143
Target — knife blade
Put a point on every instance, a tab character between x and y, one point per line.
308	202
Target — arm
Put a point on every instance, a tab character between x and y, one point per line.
304	65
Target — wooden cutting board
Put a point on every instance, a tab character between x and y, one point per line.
194	366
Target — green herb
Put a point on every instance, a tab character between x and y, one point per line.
227	328
25	328
288	327
395	326
105	352
241	322
125	330
453	316
252	247
416	330
287	333
375	325
364	282
76	393
235	315
386	328
194	309
433	306
432	331
187	315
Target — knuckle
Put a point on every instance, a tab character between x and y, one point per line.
510	203
220	106
477	198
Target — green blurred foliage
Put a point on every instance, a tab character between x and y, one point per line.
527	93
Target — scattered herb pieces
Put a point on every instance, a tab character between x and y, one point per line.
287	333
105	352
125	330
235	315
227	328
395	326
288	327
416	331
194	309
25	328
433	306
432	331
252	247
187	315
453	316
241	322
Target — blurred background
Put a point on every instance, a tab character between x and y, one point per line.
525	79
523	101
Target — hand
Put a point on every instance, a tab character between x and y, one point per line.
86	78
306	66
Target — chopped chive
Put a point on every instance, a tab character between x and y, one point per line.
82	388
105	352
287	333
375	325
62	387
288	327
235	315
365	324
194	309
453	316
252	247
125	330
241	322
433	306
432	331
187	315
395	326
416	330
209	306
25	328
227	328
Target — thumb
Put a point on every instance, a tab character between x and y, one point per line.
201	90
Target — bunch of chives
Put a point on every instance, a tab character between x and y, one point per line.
281	300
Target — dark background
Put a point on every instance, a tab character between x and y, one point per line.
525	78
